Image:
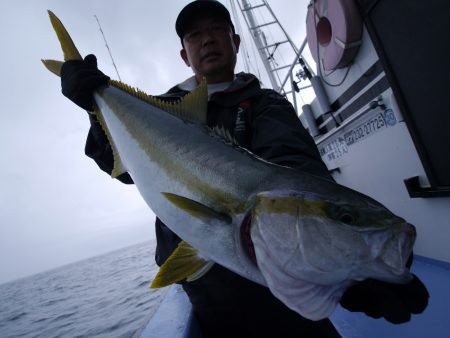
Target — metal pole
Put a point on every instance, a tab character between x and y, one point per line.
260	42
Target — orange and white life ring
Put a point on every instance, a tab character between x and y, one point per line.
334	31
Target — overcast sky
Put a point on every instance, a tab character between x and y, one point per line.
56	206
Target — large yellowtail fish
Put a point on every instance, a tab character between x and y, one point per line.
307	239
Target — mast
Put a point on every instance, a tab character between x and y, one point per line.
260	39
278	53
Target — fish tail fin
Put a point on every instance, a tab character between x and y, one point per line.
69	49
71	52
53	65
67	45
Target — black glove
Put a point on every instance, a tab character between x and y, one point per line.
394	302
79	80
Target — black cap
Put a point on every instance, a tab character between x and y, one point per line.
198	9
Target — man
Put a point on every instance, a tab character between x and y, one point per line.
225	304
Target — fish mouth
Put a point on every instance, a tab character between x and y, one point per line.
407	239
246	238
402	247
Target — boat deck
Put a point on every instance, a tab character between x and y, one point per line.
174	317
434	322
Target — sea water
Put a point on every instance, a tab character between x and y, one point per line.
105	296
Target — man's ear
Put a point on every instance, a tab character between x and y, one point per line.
184	56
237	41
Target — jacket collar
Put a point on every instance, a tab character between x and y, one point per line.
191	83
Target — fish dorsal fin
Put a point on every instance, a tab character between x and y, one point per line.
225	135
192	107
196	209
181	264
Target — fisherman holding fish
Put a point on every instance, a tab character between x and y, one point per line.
264	122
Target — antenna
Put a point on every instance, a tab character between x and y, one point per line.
107	47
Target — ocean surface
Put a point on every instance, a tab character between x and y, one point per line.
104	296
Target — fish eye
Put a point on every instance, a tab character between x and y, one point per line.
343	213
347	218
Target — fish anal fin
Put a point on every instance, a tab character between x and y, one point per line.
196	209
118	167
183	262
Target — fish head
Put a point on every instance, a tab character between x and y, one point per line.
327	240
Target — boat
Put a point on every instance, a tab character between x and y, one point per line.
380	118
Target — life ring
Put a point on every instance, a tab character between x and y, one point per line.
334	31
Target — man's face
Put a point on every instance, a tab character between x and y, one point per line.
210	49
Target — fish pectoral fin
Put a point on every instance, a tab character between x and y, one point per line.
196	209
200	272
183	264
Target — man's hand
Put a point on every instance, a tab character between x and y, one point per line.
394	302
79	80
